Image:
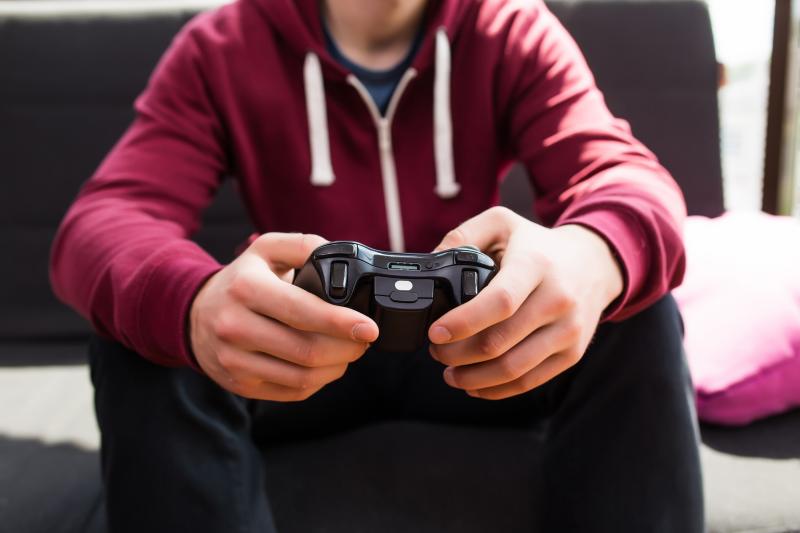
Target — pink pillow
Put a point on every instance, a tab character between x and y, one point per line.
740	302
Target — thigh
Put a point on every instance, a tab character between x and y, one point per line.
170	439
621	451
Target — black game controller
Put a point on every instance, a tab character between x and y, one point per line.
404	293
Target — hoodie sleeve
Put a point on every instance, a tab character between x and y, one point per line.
585	165
121	256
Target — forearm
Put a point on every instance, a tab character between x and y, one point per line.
130	274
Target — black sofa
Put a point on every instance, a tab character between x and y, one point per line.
68	75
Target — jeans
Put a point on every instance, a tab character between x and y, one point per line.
620	450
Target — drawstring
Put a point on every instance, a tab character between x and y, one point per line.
321	167
446	185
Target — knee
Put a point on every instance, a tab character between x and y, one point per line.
648	347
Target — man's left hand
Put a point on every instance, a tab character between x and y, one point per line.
536	317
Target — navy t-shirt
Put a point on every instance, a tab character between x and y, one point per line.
379	83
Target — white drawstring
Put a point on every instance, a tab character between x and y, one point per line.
321	167
446	185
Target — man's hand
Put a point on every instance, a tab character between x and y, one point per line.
259	336
536	317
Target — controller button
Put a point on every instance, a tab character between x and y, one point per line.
473	258
469	284
338	284
403	296
343	249
403	285
467	257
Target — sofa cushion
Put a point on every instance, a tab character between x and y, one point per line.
740	302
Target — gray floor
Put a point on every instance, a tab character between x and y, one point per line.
49	478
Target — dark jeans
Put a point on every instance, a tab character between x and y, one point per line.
620	450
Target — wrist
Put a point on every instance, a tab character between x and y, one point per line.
596	252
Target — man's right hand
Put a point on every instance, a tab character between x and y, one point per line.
260	337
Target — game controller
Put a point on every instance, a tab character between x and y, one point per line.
404	293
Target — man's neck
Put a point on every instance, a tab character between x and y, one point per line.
376	34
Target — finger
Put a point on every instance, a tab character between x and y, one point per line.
498	301
257	333
286	251
269	296
250	368
547	370
482	230
515	363
271	392
543	306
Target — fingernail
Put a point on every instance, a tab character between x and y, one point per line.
362	332
440	334
449	377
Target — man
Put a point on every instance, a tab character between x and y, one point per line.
386	122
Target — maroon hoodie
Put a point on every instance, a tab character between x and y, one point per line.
249	90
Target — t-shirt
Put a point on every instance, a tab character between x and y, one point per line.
379	83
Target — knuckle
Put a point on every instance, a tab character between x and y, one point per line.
492	343
291	304
498	210
566	303
501	212
240	287
264	240
302	380
509	368
527	383
236	388
505	301
358	352
309	242
226	326
226	359
300	395
306	353
240	388
342	369
541	262
445	356
454	237
572	357
572	330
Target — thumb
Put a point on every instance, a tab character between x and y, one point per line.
286	251
484	230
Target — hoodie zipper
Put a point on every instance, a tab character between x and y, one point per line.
383	125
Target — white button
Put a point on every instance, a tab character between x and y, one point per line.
403	285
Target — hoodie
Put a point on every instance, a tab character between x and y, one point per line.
249	90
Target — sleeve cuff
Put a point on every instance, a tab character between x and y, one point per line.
163	310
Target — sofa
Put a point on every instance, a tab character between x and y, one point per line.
69	72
